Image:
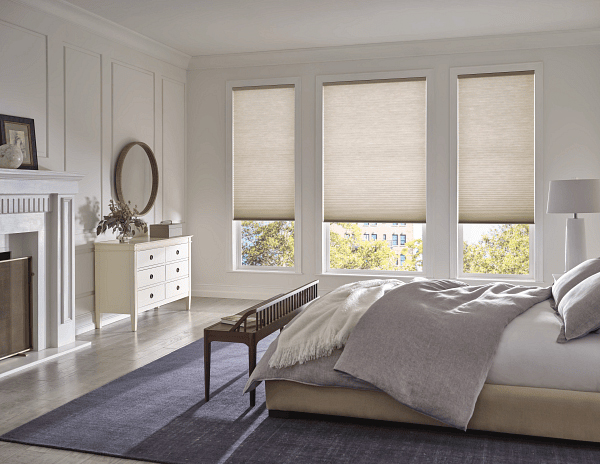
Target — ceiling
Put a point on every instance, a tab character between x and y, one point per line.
210	27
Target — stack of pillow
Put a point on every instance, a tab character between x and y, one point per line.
577	300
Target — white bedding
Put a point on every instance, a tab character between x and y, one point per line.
529	356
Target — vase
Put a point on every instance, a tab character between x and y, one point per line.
125	235
11	156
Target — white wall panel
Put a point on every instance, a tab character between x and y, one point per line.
89	95
173	130
23	78
132	112
83	133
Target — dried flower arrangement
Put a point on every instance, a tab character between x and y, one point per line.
121	218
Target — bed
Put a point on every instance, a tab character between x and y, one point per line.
535	386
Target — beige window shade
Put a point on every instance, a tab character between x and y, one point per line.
263	153
374	147
496	150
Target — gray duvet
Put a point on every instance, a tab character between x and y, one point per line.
428	344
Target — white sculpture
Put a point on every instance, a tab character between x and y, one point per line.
11	156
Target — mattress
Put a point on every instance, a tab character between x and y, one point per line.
527	356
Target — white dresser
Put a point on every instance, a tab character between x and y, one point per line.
142	274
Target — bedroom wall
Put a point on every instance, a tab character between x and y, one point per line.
91	88
571	140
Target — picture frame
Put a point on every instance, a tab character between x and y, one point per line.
20	131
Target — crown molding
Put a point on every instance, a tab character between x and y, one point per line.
110	30
461	45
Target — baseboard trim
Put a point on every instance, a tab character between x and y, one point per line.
87	325
85	322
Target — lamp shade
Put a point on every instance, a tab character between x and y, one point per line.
574	196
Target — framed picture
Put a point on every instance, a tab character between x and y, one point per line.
20	132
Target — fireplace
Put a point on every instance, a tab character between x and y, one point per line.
15	307
36	219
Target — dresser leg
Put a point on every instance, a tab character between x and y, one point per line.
97	318
188	302
134	322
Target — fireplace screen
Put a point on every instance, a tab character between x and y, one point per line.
15	306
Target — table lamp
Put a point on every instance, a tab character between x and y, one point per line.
574	196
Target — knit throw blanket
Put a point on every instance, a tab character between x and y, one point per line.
326	324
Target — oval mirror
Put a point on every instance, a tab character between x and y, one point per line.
136	176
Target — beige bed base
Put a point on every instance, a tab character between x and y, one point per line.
521	410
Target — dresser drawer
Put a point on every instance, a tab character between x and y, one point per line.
177	287
177	252
151	276
151	295
177	270
150	257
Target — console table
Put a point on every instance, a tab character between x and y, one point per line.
141	274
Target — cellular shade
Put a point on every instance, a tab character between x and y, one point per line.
374	149
263	153
496	148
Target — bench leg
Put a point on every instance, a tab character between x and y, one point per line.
252	359
206	369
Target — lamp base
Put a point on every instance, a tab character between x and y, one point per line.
575	251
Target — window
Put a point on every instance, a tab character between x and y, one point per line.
368	123
394	223
403	224
402	239
352	246
496	137
402	260
394	239
262	146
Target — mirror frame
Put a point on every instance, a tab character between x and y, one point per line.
153	166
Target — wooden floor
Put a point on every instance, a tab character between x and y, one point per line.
115	351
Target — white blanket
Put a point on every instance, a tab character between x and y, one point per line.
326	324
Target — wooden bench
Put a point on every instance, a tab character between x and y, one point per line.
271	315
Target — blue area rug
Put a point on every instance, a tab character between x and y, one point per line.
157	413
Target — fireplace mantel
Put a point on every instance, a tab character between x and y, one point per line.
37	217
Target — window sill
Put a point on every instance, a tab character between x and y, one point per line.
264	271
373	274
482	280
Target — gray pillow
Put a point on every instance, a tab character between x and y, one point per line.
580	309
569	279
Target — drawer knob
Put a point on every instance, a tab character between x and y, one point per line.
152	295
151	257
177	252
178	287
151	276
177	270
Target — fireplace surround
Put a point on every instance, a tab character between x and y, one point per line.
36	219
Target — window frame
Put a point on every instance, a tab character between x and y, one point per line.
322	228
234	258
536	229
